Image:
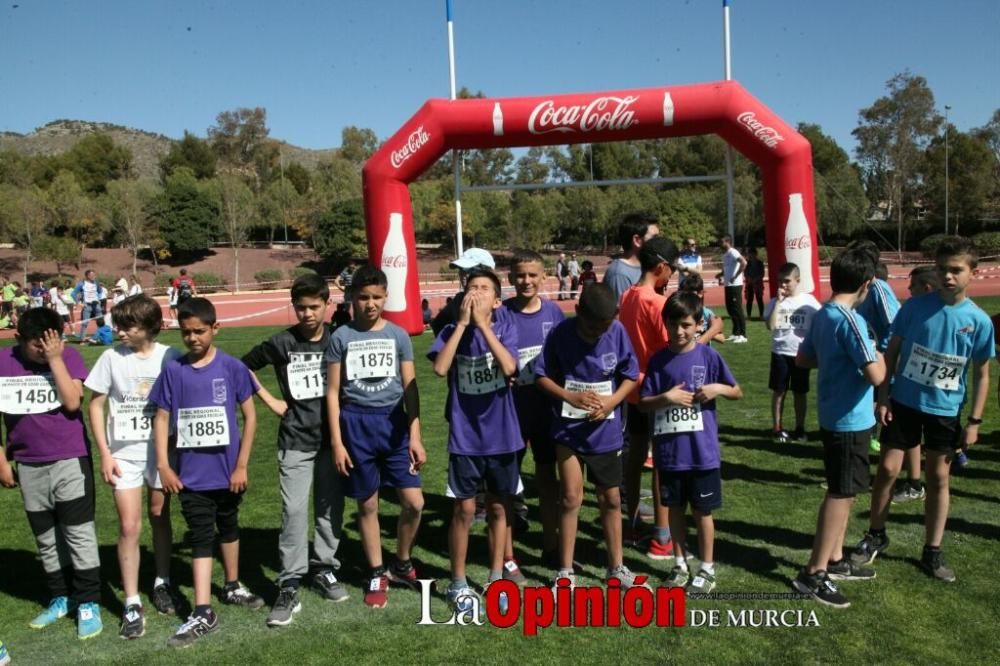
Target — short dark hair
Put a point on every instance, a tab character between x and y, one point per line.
683	304
788	269
184	271
522	256
197	308
482	272
693	283
586	264
35	321
139	311
657	250
310	285
926	275
368	276
957	246
851	269
632	225
881	270
868	247
598	303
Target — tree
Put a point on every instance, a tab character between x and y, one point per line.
340	233
841	204
187	215
127	203
73	213
96	160
279	206
23	218
191	152
240	141
357	144
238	212
892	134
59	249
970	179
298	176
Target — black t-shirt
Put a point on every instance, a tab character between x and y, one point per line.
305	425
448	314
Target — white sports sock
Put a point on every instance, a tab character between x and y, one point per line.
708	567
161	581
133	601
681	562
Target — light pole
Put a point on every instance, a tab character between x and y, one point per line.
946	179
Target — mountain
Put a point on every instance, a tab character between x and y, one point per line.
147	147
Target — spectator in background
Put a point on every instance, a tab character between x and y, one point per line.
344	278
172	306
135	287
733	266
574	276
425	310
61	302
7	293
341	316
625	271
562	274
754	282
689	261
588	276
88	293
474	257
37	295
184	287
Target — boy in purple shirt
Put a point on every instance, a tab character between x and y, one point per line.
479	355
198	395
682	382
41	393
588	365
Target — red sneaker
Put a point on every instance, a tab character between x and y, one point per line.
649	464
660	551
377	594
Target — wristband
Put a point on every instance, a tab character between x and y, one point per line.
972	420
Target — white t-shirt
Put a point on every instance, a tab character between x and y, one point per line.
127	380
792	326
730	264
57	301
171	296
135	289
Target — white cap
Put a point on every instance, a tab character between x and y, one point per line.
473	257
121	285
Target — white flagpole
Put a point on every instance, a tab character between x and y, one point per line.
455	155
727	60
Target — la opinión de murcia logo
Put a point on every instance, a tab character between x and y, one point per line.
767	135
414	142
798	242
600	114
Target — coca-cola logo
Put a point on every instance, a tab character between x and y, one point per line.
414	142
603	113
798	243
394	261
767	135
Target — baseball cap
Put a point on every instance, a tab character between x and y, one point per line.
473	257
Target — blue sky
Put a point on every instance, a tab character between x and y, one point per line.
319	66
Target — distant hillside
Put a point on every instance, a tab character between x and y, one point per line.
147	148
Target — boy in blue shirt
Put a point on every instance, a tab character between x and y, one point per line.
935	338
710	327
681	385
478	353
849	366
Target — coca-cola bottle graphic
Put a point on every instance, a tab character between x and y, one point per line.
497	120
798	244
394	264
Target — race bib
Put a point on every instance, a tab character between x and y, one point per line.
479	374
305	375
526	357
600	388
134	421
32	394
930	368
678	418
198	427
369	359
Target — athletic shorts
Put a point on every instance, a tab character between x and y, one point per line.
785	373
206	510
135	473
378	441
498	473
909	427
604	470
701	488
845	460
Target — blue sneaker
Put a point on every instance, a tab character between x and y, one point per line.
58	607
960	460
463	599
4	655
502	600
88	621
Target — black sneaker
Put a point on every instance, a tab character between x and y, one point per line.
404	573
133	622
869	548
847	570
933	563
237	594
329	586
196	627
821	588
285	606
164	600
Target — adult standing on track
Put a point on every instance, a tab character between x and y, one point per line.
574	276
690	260
733	265
625	271
184	287
754	275
88	293
562	274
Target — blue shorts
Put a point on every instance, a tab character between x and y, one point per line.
701	488
378	440
498	473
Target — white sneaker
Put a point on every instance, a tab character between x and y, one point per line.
739	340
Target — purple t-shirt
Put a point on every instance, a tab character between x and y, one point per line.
202	403
533	409
40	435
480	407
575	364
685	438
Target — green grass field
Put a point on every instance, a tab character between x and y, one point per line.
764	532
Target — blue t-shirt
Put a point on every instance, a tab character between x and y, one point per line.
706	320
533	410
879	309
620	276
575	364
685	438
839	342
937	341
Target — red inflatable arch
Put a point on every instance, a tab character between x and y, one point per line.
724	108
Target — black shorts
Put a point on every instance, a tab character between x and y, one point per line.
701	488
604	470
204	510
498	474
909	427
845	459
785	373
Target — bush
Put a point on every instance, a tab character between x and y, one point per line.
987	243
162	280
929	245
62	281
268	276
107	281
208	283
299	271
